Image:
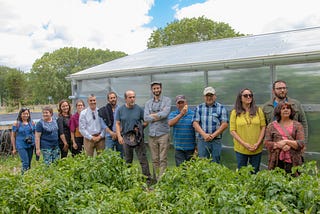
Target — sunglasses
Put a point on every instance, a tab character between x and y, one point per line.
247	95
25	109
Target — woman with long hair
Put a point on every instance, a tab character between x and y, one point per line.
47	138
247	127
284	139
64	115
22	138
76	137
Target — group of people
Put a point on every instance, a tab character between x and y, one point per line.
280	125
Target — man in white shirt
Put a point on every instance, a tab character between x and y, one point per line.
90	128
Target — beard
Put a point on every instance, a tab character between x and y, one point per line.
281	95
157	93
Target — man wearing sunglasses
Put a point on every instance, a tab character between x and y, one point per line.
90	128
280	91
209	121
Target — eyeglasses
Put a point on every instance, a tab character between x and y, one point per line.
25	109
247	95
281	88
93	116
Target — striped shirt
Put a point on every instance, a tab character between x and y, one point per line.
210	117
183	131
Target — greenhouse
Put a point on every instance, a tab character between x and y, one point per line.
228	65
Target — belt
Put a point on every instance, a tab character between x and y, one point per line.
96	135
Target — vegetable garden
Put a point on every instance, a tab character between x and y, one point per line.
106	184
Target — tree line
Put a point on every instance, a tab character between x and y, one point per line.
47	75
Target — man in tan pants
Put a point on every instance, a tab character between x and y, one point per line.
90	128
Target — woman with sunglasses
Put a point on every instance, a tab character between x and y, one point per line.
247	127
64	109
22	138
47	138
284	139
76	137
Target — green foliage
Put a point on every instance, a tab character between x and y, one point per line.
49	72
105	184
190	30
13	86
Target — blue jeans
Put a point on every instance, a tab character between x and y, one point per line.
26	157
114	145
254	160
50	155
181	156
210	149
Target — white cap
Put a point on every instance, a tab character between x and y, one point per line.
209	90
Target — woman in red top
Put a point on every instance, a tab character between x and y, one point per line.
76	137
284	139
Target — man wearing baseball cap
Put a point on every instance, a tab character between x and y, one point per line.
156	113
183	132
209	121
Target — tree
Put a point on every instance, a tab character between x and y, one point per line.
190	30
48	73
12	85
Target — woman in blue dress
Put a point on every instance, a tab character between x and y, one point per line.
22	138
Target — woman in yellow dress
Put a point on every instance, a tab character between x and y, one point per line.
247	127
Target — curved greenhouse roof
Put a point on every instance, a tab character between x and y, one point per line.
289	47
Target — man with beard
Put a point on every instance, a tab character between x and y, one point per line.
156	113
280	91
107	115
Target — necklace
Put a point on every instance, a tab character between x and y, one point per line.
248	119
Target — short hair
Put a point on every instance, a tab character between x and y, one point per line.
111	92
125	93
277	110
274	84
47	108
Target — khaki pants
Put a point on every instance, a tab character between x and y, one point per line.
89	146
159	151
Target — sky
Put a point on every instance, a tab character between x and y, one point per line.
31	28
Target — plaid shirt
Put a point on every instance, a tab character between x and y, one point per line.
210	117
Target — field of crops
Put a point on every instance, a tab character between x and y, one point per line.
106	184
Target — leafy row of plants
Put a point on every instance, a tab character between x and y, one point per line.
106	184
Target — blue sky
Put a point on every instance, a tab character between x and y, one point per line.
164	13
30	28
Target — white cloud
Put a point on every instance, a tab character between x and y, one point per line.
30	28
257	16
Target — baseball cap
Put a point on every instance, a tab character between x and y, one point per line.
155	83
180	98
209	90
